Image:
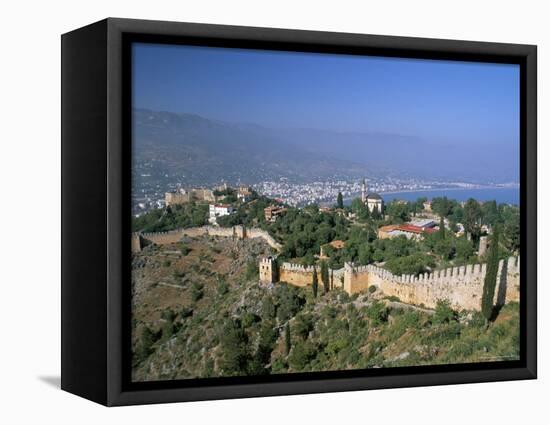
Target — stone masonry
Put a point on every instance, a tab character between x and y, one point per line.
139	240
461	286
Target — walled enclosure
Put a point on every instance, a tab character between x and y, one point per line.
139	240
461	286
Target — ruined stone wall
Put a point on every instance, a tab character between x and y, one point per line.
163	238
173	236
259	233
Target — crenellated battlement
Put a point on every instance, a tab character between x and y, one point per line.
297	268
462	286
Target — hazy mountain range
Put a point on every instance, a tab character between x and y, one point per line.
204	151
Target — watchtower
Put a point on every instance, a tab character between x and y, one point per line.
267	269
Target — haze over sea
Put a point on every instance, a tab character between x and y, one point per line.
501	195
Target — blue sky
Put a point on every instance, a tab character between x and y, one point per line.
439	101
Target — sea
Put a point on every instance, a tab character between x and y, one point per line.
505	195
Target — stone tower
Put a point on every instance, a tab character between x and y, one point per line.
364	192
267	270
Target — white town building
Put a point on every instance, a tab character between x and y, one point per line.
371	200
218	210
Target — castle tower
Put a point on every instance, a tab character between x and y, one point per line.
267	269
364	192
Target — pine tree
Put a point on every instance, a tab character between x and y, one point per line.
268	309
325	276
441	228
471	218
490	282
375	213
315	283
340	200
288	341
234	342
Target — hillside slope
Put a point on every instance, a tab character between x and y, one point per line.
200	312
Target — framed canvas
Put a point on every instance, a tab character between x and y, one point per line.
253	212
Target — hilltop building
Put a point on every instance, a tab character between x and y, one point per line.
183	196
424	223
273	212
385	232
244	194
222	187
372	200
413	230
218	210
177	197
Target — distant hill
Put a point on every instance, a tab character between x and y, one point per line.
204	151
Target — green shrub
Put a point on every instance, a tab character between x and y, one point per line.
268	308
168	330
208	368
303	325
178	274
234	344
223	288
184	249
337	345
252	271
443	313
289	302
186	312
197	291
301	355
377	313
416	264
145	344
279	366
168	315
248	319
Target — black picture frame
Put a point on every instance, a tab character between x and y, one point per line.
96	231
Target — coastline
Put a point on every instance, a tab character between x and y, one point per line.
507	195
449	188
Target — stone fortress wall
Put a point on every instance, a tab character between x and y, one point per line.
296	274
461	286
139	240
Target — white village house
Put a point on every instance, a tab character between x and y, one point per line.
218	210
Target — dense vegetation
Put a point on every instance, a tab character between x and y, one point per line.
172	217
303	231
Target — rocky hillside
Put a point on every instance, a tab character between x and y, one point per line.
199	311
